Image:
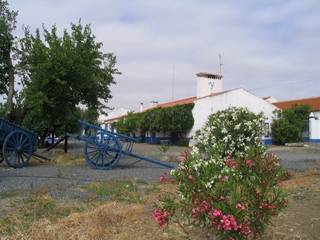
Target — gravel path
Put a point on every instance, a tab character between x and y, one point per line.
62	181
62	178
298	158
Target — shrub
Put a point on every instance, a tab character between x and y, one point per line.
228	188
290	124
230	131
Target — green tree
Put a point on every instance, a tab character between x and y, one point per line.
7	68
174	120
290	124
62	73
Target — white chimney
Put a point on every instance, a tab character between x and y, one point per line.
141	107
208	83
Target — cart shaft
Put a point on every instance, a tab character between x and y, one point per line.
154	161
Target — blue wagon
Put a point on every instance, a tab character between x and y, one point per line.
103	149
17	144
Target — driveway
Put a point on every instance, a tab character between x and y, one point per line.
298	158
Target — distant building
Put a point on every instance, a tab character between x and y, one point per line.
211	97
112	116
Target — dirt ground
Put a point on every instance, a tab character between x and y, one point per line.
104	207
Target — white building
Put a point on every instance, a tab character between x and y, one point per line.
211	97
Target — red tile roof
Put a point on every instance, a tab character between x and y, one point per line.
161	105
313	102
174	103
115	118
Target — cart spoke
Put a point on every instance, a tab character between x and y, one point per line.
24	141
95	156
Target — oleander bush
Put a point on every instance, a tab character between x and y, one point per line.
228	186
227	132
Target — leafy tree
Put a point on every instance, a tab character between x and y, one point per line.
62	73
7	69
121	126
175	120
290	124
179	119
89	115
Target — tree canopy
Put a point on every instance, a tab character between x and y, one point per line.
63	74
174	120
7	26
290	124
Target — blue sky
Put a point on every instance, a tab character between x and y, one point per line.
267	47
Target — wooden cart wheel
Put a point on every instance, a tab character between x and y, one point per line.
17	149
104	153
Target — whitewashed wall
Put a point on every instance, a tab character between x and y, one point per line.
233	98
314	127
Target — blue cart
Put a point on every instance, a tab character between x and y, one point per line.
17	144
103	149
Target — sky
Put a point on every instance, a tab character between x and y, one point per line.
271	48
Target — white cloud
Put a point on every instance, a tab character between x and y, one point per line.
268	47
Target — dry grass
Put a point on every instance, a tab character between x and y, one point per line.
26	211
119	218
115	220
110	221
66	159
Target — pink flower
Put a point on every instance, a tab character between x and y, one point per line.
184	156
204	207
195	212
161	216
190	178
222	198
216	213
249	163
228	223
230	162
240	206
231	238
163	178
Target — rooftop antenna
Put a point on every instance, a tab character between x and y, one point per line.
220	64
173	78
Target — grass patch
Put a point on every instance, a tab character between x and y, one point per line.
31	209
129	191
67	159
7	194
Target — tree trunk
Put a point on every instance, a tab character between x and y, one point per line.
10	91
65	140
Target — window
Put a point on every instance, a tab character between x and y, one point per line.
267	130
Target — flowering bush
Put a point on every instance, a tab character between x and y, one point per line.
228	132
228	190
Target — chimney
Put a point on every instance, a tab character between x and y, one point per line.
141	107
208	83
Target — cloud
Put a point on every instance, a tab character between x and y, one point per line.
268	47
